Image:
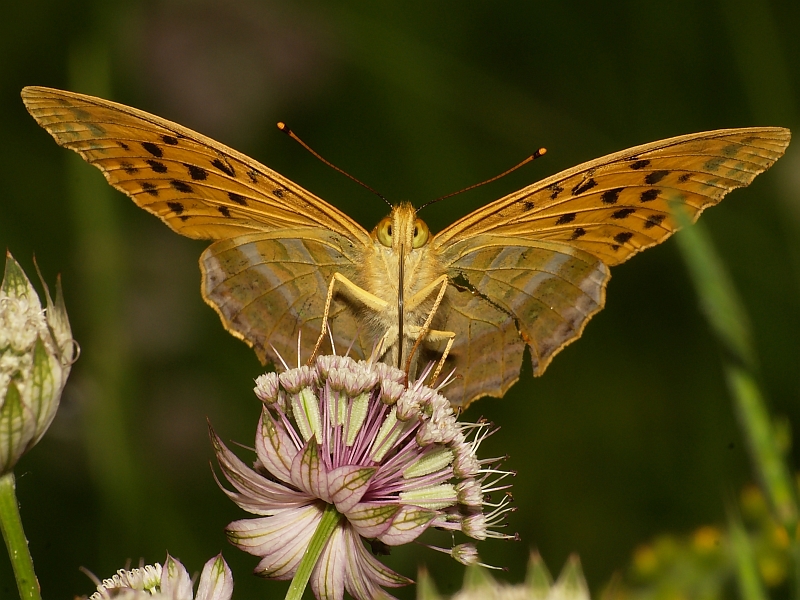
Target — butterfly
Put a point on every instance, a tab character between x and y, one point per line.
529	269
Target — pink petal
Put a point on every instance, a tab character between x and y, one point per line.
409	523
216	580
308	472
378	571
363	577
280	539
327	579
348	485
258	494
275	448
175	580
372	519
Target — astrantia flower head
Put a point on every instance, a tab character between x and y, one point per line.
347	453
36	353
170	582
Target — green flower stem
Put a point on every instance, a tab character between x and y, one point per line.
750	585
17	544
328	523
729	320
715	290
759	432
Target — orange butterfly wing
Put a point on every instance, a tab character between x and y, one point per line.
203	189
531	268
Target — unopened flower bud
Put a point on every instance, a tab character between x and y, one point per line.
36	354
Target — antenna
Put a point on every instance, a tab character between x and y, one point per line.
285	129
534	156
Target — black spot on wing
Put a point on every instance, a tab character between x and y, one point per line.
239	199
684	178
656	176
654	220
278	192
169	139
611	196
528	205
622	213
224	167
124	146
197	173
153	149
149	188
128	167
649	195
584	186
640	164
623	237
579	232
181	186
253	175
555	190
567	218
224	211
158	167
175	207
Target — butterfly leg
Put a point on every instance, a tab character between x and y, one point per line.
434	335
370	300
416	300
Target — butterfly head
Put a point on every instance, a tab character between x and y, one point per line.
402	229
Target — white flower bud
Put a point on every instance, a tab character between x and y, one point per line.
36	354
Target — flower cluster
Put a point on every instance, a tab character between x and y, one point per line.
170	582
386	459
36	354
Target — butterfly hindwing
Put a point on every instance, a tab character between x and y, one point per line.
269	287
486	355
547	290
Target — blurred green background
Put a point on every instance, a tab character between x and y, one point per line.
630	433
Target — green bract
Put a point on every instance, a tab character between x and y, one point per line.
36	353
479	585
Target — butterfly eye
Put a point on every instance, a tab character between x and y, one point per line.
421	233
385	232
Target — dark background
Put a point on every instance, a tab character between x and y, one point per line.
630	433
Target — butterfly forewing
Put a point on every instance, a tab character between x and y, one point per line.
270	288
620	204
199	187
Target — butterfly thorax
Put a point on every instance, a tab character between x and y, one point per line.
399	237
